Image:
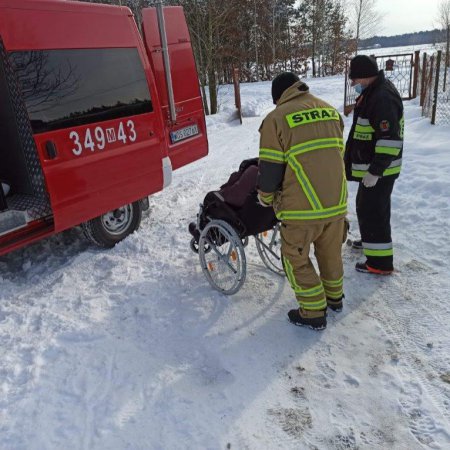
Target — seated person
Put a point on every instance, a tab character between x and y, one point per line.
248	216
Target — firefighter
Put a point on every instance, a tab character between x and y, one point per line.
301	174
373	157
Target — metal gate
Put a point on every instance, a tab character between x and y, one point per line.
401	70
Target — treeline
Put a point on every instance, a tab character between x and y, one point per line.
261	38
419	38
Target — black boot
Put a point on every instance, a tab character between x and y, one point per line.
315	323
365	268
357	244
335	304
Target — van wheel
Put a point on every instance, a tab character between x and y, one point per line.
114	226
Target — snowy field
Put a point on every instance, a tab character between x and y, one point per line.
130	348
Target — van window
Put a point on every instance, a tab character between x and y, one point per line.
68	88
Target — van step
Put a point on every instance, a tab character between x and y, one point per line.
34	207
12	220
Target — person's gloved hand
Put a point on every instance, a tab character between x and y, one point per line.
261	201
370	180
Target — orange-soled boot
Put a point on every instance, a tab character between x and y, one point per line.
365	268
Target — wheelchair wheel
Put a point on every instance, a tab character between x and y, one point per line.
222	257
268	244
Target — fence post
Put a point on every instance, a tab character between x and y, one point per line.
237	93
423	79
436	87
345	85
416	72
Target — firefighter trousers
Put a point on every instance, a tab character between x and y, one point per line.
313	290
373	208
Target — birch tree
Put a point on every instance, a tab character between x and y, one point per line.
365	19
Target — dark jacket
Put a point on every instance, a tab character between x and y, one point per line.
241	184
375	141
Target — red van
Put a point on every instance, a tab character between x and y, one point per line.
93	117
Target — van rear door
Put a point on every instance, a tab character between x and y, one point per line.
187	139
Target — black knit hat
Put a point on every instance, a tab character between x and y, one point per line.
281	82
363	66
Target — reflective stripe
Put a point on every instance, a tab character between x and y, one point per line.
310	292
377	246
389	143
397	162
313	306
267	198
318	211
290	273
310	215
378	249
331	283
392	171
335	295
334	289
316	144
388	147
360	166
310	116
402	127
305	184
359	170
272	154
364	129
387	150
343	198
379	253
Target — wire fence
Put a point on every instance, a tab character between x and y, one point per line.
434	87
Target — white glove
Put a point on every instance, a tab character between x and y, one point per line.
370	180
262	203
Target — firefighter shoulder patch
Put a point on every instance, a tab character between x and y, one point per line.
385	125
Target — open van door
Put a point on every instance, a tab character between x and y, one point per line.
186	138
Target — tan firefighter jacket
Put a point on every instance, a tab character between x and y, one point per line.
301	170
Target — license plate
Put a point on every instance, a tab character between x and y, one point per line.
183	133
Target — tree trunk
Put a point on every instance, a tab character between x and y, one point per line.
212	91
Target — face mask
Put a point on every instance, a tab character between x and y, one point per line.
359	88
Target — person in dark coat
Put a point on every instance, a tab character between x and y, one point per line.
236	202
373	157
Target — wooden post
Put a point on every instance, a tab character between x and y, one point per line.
436	87
424	78
345	85
416	72
237	93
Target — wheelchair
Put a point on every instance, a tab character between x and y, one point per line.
221	234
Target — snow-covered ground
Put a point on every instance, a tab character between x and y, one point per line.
130	348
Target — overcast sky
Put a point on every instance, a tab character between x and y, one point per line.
407	16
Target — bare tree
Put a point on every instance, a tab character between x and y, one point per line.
443	17
365	19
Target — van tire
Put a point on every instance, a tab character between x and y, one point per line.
114	226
